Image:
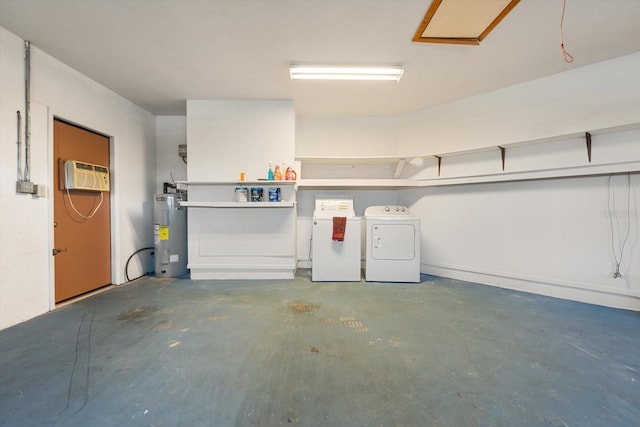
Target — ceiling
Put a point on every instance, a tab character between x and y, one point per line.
160	53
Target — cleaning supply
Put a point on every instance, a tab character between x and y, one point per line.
290	174
270	174
242	194
274	194
277	173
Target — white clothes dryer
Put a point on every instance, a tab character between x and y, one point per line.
392	244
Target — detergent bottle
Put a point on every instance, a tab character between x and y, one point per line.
290	174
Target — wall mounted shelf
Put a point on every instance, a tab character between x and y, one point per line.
399	163
242	205
255	183
341	183
226	203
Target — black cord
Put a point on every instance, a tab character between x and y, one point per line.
168	185
126	266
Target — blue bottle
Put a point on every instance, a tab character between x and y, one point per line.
270	172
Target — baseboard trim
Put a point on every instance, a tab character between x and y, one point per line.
568	291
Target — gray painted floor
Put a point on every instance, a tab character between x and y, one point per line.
168	352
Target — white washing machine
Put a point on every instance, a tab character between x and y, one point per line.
393	244
335	260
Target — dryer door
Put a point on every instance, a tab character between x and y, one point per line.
393	241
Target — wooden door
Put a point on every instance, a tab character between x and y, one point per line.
82	241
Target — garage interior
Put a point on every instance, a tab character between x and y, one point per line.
454	242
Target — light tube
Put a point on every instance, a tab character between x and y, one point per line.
345	73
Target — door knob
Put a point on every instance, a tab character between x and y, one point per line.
56	251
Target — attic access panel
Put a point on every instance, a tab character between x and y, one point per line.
462	21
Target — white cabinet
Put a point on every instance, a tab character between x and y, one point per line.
241	240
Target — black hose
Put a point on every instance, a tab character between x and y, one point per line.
126	266
169	185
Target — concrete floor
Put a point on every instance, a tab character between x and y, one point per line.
168	352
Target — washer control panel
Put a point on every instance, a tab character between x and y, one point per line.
387	211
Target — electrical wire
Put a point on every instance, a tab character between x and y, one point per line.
610	198
178	190
126	266
568	58
89	216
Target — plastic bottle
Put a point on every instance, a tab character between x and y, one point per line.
270	174
290	174
277	173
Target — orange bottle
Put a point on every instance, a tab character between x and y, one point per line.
290	174
277	173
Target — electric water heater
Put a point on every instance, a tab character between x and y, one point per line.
170	235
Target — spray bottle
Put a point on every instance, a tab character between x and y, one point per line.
270	172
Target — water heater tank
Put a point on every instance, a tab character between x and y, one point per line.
170	235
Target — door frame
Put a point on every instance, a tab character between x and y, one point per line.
115	243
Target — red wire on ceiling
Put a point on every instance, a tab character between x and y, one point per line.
565	54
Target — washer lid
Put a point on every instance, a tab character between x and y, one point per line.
385	211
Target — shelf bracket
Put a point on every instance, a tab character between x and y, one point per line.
439	163
503	152
399	167
587	135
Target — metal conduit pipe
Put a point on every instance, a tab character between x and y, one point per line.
27	101
19	140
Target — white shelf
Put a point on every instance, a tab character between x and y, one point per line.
352	159
397	161
261	182
390	182
244	205
398	158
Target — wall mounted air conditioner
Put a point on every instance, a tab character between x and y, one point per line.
85	176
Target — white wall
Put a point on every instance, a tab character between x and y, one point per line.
26	265
544	236
229	137
171	131
552	237
597	96
340	136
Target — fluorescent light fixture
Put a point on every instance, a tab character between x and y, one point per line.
303	72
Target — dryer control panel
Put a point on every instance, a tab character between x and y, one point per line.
387	211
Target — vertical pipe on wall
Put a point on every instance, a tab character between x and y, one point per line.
27	102
19	142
